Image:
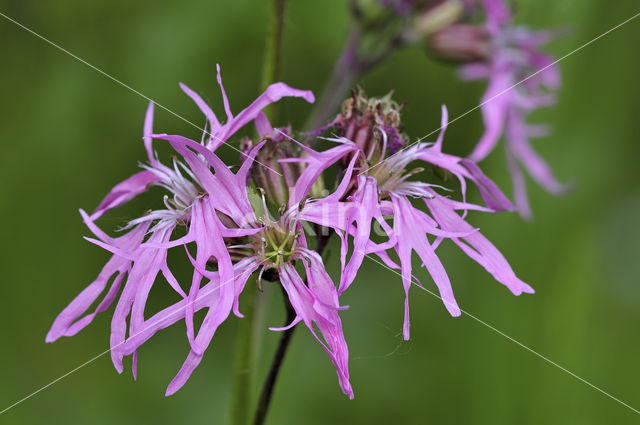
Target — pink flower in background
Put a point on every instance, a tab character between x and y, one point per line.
521	80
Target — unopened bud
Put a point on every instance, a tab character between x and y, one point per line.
273	177
463	43
371	123
434	18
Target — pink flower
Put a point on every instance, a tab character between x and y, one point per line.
382	190
267	244
521	80
140	255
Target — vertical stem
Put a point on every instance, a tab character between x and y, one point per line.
243	362
273	50
283	344
352	64
344	75
278	358
246	337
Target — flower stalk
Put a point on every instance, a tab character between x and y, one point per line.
368	44
244	362
344	75
274	370
283	344
243	365
272	65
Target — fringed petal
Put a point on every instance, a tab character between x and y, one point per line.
313	304
124	191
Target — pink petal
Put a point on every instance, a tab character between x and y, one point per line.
494	107
202	105
272	94
411	236
478	247
147	264
147	132
310	303
68	323
208	238
125	191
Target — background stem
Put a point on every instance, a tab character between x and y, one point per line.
278	358
243	362
366	47
344	75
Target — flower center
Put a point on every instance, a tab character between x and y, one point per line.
276	243
391	171
181	183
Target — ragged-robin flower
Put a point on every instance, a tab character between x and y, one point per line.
376	191
140	255
260	243
521	78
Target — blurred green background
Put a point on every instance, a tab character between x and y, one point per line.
68	134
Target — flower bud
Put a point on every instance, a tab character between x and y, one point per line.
461	43
371	123
400	7
434	18
274	177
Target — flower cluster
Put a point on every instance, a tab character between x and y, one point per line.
236	222
378	186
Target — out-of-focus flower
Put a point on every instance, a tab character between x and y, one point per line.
204	203
375	191
521	79
435	16
401	7
461	43
422	18
416	20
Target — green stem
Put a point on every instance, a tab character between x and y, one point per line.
343	77
273	52
243	367
283	344
243	363
270	381
351	65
